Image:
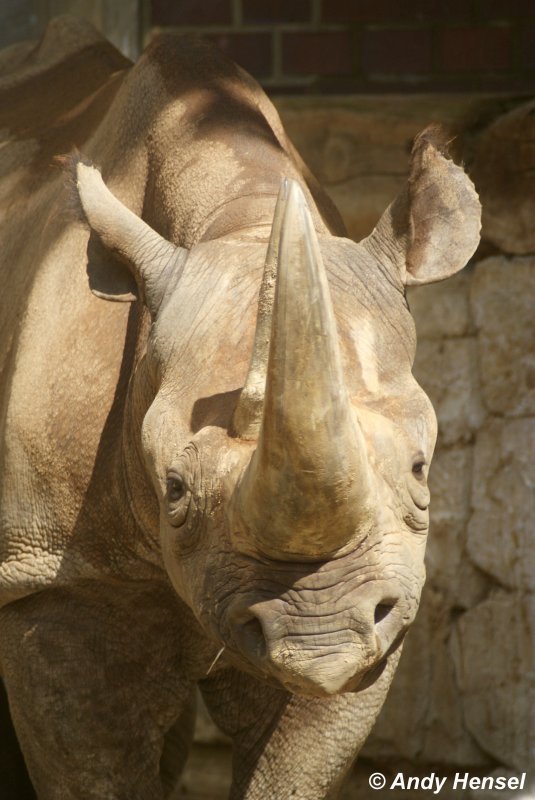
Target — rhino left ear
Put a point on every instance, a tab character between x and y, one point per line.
152	260
432	228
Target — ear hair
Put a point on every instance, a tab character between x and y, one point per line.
432	228
68	163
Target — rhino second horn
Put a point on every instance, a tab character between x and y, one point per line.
247	417
304	494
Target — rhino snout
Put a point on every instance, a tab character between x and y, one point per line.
315	652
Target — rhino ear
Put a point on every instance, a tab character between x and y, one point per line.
432	228
151	259
109	277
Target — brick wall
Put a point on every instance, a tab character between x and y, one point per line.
366	45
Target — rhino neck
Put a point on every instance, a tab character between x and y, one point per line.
241	202
217	177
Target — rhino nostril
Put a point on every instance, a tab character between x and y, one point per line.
253	638
388	624
382	610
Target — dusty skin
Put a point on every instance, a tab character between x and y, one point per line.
237	459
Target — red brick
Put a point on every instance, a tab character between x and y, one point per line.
327	53
471	82
396	11
191	12
528	46
361	11
252	51
504	10
258	11
390	51
465	49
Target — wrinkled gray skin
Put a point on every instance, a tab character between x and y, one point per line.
151	513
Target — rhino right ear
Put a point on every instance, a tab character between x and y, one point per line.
150	258
432	228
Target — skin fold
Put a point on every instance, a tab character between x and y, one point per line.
212	442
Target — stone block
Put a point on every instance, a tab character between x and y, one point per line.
449	481
500	532
503	303
493	647
448	567
441	309
361	201
447	371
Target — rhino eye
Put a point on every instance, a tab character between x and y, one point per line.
176	489
418	469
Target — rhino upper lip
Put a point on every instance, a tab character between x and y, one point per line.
356	684
239	629
259	665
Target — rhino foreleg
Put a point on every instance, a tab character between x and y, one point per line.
287	747
94	682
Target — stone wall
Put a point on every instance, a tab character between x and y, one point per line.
464	693
463	696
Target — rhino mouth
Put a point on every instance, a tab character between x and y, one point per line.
314	655
321	675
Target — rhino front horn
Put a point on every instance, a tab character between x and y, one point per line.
304	493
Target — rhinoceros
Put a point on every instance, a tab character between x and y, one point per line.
218	480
